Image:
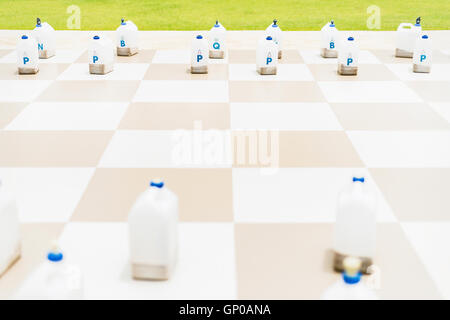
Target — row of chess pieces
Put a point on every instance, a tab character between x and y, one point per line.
153	244
410	43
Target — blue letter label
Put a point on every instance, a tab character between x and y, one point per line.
268	60
199	57
122	43
331	45
349	61
40	46
95	59
422	57
216	45
25	60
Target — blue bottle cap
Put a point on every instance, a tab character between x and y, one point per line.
96	37
351	279
199	37
217	24
332	23
55	256
275	23
24	37
123	23
38	23
269	38
157	184
424	36
417	22
350	39
355	179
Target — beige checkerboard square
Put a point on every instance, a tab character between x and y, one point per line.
8	111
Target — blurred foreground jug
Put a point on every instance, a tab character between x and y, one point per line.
276	34
127	39
27	55
153	233
101	55
266	57
53	279
350	287
45	38
423	52
9	230
217	41
348	58
199	55
355	228
406	37
330	41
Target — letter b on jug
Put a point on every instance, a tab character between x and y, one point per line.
331	45
122	43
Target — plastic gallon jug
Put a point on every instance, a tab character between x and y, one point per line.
350	287
423	55
217	41
355	228
9	230
127	39
330	41
199	55
348	57
53	279
27	55
101	55
406	37
275	32
153	233
266	56
45	38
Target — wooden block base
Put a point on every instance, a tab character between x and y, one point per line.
338	262
45	54
127	52
199	70
11	261
327	53
100	68
403	54
267	70
347	71
216	54
150	272
25	70
421	69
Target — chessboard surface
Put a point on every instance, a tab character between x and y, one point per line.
77	149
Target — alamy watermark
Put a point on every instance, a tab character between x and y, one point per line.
74	20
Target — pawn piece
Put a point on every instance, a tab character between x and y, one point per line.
348	58
153	235
422	55
101	56
199	55
27	55
127	39
266	57
9	231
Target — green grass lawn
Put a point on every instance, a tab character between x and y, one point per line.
234	14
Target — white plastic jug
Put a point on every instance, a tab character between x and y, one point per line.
199	55
348	57
101	55
275	32
217	41
406	37
355	228
423	55
9	230
127	39
45	38
266	56
53	279
329	41
153	233
27	55
350	286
